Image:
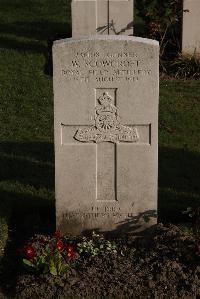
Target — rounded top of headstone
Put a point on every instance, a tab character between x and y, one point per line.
108	38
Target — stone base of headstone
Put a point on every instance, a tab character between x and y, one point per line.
106	133
191	27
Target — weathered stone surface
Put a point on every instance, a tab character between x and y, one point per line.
106	121
191	27
90	17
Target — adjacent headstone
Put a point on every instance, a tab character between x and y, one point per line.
191	27
106	139
90	17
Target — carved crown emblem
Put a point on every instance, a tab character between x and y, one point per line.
107	125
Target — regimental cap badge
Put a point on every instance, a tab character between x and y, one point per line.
107	125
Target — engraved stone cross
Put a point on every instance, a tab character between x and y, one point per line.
106	133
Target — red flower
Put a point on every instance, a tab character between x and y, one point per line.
70	251
29	251
59	245
71	255
57	234
69	248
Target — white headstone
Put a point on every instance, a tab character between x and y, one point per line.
191	27
106	139
90	17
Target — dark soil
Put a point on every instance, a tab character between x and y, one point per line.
162	264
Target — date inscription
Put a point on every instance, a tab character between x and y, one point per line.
107	67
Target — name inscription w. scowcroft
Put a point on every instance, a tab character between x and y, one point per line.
108	67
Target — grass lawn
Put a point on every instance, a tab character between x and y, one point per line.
26	111
26	120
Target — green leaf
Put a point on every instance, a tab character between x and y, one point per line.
52	267
53	270
28	263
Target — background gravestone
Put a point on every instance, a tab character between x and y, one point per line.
191	27
106	121
90	17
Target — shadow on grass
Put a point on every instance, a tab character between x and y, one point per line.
41	31
35	37
28	163
179	187
32	36
22	45
27	180
27	167
30	215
